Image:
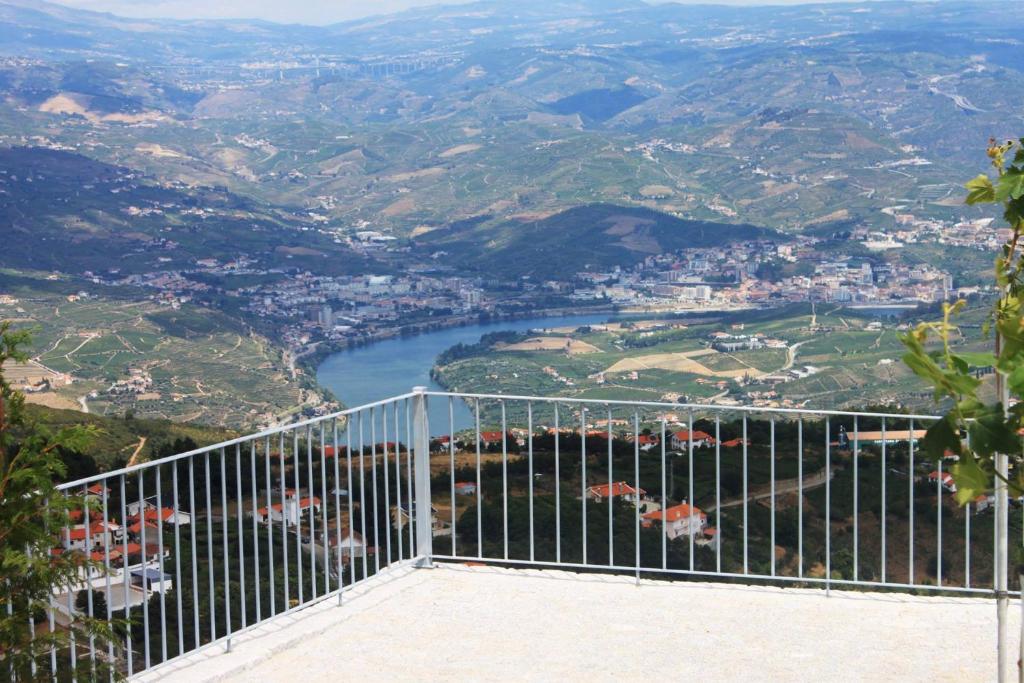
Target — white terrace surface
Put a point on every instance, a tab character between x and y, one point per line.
478	623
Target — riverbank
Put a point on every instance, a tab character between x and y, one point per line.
310	360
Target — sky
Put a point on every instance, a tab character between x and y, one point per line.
315	12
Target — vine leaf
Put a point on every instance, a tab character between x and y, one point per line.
980	190
971	480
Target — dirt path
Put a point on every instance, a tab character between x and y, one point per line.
138	449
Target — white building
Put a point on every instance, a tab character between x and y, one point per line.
291	511
680	520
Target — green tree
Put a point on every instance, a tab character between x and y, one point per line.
975	429
32	511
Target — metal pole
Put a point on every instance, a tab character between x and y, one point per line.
421	472
1002	535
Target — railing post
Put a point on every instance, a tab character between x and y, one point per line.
421	453
1001	557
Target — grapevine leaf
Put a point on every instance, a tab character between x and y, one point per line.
980	190
971	480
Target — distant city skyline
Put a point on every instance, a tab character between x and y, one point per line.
312	12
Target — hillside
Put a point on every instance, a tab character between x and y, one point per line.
118	439
592	237
68	212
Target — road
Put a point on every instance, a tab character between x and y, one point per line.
811	481
791	355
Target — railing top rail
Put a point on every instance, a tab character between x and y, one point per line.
85	481
682	406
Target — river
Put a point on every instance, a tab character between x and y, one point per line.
394	366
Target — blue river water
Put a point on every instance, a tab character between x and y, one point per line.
394	366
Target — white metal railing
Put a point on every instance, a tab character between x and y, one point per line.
199	547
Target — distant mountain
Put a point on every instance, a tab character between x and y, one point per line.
65	212
786	117
594	237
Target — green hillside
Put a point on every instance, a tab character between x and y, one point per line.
591	237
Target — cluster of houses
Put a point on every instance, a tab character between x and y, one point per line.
677	520
131	550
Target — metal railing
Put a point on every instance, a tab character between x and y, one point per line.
196	548
823	505
199	547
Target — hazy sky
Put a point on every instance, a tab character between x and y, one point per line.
292	11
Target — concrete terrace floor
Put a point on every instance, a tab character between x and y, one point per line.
456	622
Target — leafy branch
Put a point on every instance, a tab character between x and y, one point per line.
973	430
32	514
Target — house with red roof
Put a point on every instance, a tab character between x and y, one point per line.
618	489
681	439
166	515
947	480
679	520
292	511
647	441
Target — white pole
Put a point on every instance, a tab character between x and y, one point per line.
421	507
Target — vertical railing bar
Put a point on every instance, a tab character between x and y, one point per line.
479	493
967	534
72	643
145	566
636	486
90	609
771	475
583	481
451	466
254	496
746	532
284	524
828	505
529	468
50	606
270	528
398	479
718	493
177	557
312	510
224	544
558	489
160	564
692	502
664	498
883	510
373	479
241	534
387	485
910	511
351	510
611	494
800	497
856	498
125	580
297	501
504	477
194	523
362	495
106	573
938	534
339	569
324	505
409	438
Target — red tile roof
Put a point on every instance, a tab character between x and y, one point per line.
684	435
619	488
676	513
